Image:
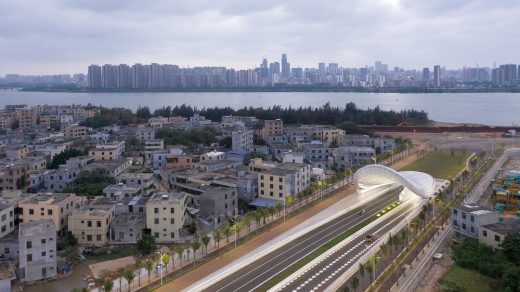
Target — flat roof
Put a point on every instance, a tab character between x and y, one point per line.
504	228
473	208
39	227
171	198
47	198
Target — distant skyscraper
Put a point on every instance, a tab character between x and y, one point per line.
94	76
264	69
322	69
286	67
333	69
437	76
109	73
426	74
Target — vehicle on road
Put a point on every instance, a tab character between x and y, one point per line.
370	238
362	212
159	266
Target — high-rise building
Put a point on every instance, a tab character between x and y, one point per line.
109	73
322	69
124	76
426	74
286	67
333	69
437	76
94	76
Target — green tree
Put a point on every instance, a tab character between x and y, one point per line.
278	207
227	232
217	237
129	276
195	245
247	221
179	249
62	157
226	142
354	283
146	244
143	112
148	265
107	285
21	182
511	248
252	155
205	241
237	227
120	274
165	259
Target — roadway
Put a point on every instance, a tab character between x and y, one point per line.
322	274
261	270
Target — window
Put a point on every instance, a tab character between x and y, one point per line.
464	226
172	220
280	179
156	234
271	178
455	223
455	211
262	185
29	258
472	229
28	244
98	223
89	237
31	211
172	210
156	221
172	235
280	187
497	238
156	210
463	215
44	253
89	223
271	194
49	211
484	233
44	241
472	218
98	237
280	195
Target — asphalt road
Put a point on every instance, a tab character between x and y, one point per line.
253	275
327	271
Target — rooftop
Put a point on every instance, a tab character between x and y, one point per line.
474	208
94	210
40	227
170	198
47	198
135	175
504	228
129	219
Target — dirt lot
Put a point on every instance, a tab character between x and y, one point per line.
437	270
100	269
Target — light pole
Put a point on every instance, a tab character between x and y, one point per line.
160	260
320	185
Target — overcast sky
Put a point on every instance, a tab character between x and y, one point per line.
65	36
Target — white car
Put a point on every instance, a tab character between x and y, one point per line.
159	266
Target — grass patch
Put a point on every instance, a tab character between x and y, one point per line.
440	164
322	249
461	279
103	254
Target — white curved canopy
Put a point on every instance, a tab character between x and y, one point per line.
420	183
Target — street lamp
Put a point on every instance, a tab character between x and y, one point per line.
160	260
320	185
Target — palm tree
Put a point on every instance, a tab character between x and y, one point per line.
179	249
120	272
362	270
354	283
264	212
205	241
148	265
374	261
278	206
107	285
217	236
247	221
271	210
129	276
227	232
258	218
195	245
300	197
138	264
238	227
165	259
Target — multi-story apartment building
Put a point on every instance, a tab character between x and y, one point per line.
272	128
217	203
144	134
384	144
248	122
55	206
242	140
108	151
74	131
6	219
37	250
90	224
26	117
127	228
143	181
467	219
165	215
17	152
276	181
119	191
213	155
349	156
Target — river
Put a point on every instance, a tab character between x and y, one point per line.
485	108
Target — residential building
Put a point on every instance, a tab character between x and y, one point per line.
37	250
7	275
90	224
242	140
6	219
384	144
144	134
272	128
165	215
55	206
467	219
494	234
248	122
213	155
108	151
74	131
217	203
119	191
144	181
345	157
127	228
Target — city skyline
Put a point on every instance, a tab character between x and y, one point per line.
53	37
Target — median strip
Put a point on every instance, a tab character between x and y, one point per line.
322	249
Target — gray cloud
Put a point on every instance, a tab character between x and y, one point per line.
55	36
